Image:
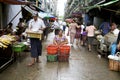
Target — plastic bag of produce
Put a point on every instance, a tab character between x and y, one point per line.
115	57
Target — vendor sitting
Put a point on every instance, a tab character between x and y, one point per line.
114	29
118	42
9	29
115	47
60	39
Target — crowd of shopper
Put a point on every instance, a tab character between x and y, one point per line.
83	35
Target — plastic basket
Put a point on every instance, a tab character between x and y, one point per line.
65	49
52	49
51	58
63	58
114	65
19	47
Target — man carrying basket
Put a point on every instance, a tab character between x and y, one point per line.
35	25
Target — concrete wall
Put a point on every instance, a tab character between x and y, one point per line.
97	21
10	12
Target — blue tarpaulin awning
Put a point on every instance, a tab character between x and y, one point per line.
45	14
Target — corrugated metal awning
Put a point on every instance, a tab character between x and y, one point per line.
16	2
101	5
32	9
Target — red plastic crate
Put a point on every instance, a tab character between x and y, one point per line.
52	49
65	49
63	58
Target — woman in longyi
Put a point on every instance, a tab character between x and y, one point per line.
60	39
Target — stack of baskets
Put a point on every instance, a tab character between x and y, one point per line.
52	51
64	53
58	53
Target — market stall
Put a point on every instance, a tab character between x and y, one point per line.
105	43
9	47
6	53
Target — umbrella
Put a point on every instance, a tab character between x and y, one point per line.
45	15
53	18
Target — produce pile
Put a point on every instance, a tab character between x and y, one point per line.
5	40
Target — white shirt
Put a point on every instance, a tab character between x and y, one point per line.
90	30
116	31
56	24
82	27
36	25
64	23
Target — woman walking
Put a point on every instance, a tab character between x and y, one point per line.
78	31
90	34
72	31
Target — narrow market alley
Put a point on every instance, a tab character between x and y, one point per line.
82	65
90	49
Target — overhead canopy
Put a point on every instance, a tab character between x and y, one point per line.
15	2
27	8
101	5
32	9
107	11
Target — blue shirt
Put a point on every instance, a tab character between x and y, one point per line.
105	27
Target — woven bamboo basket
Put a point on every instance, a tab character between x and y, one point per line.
114	65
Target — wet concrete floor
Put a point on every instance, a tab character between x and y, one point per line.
82	65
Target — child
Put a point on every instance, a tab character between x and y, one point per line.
84	37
